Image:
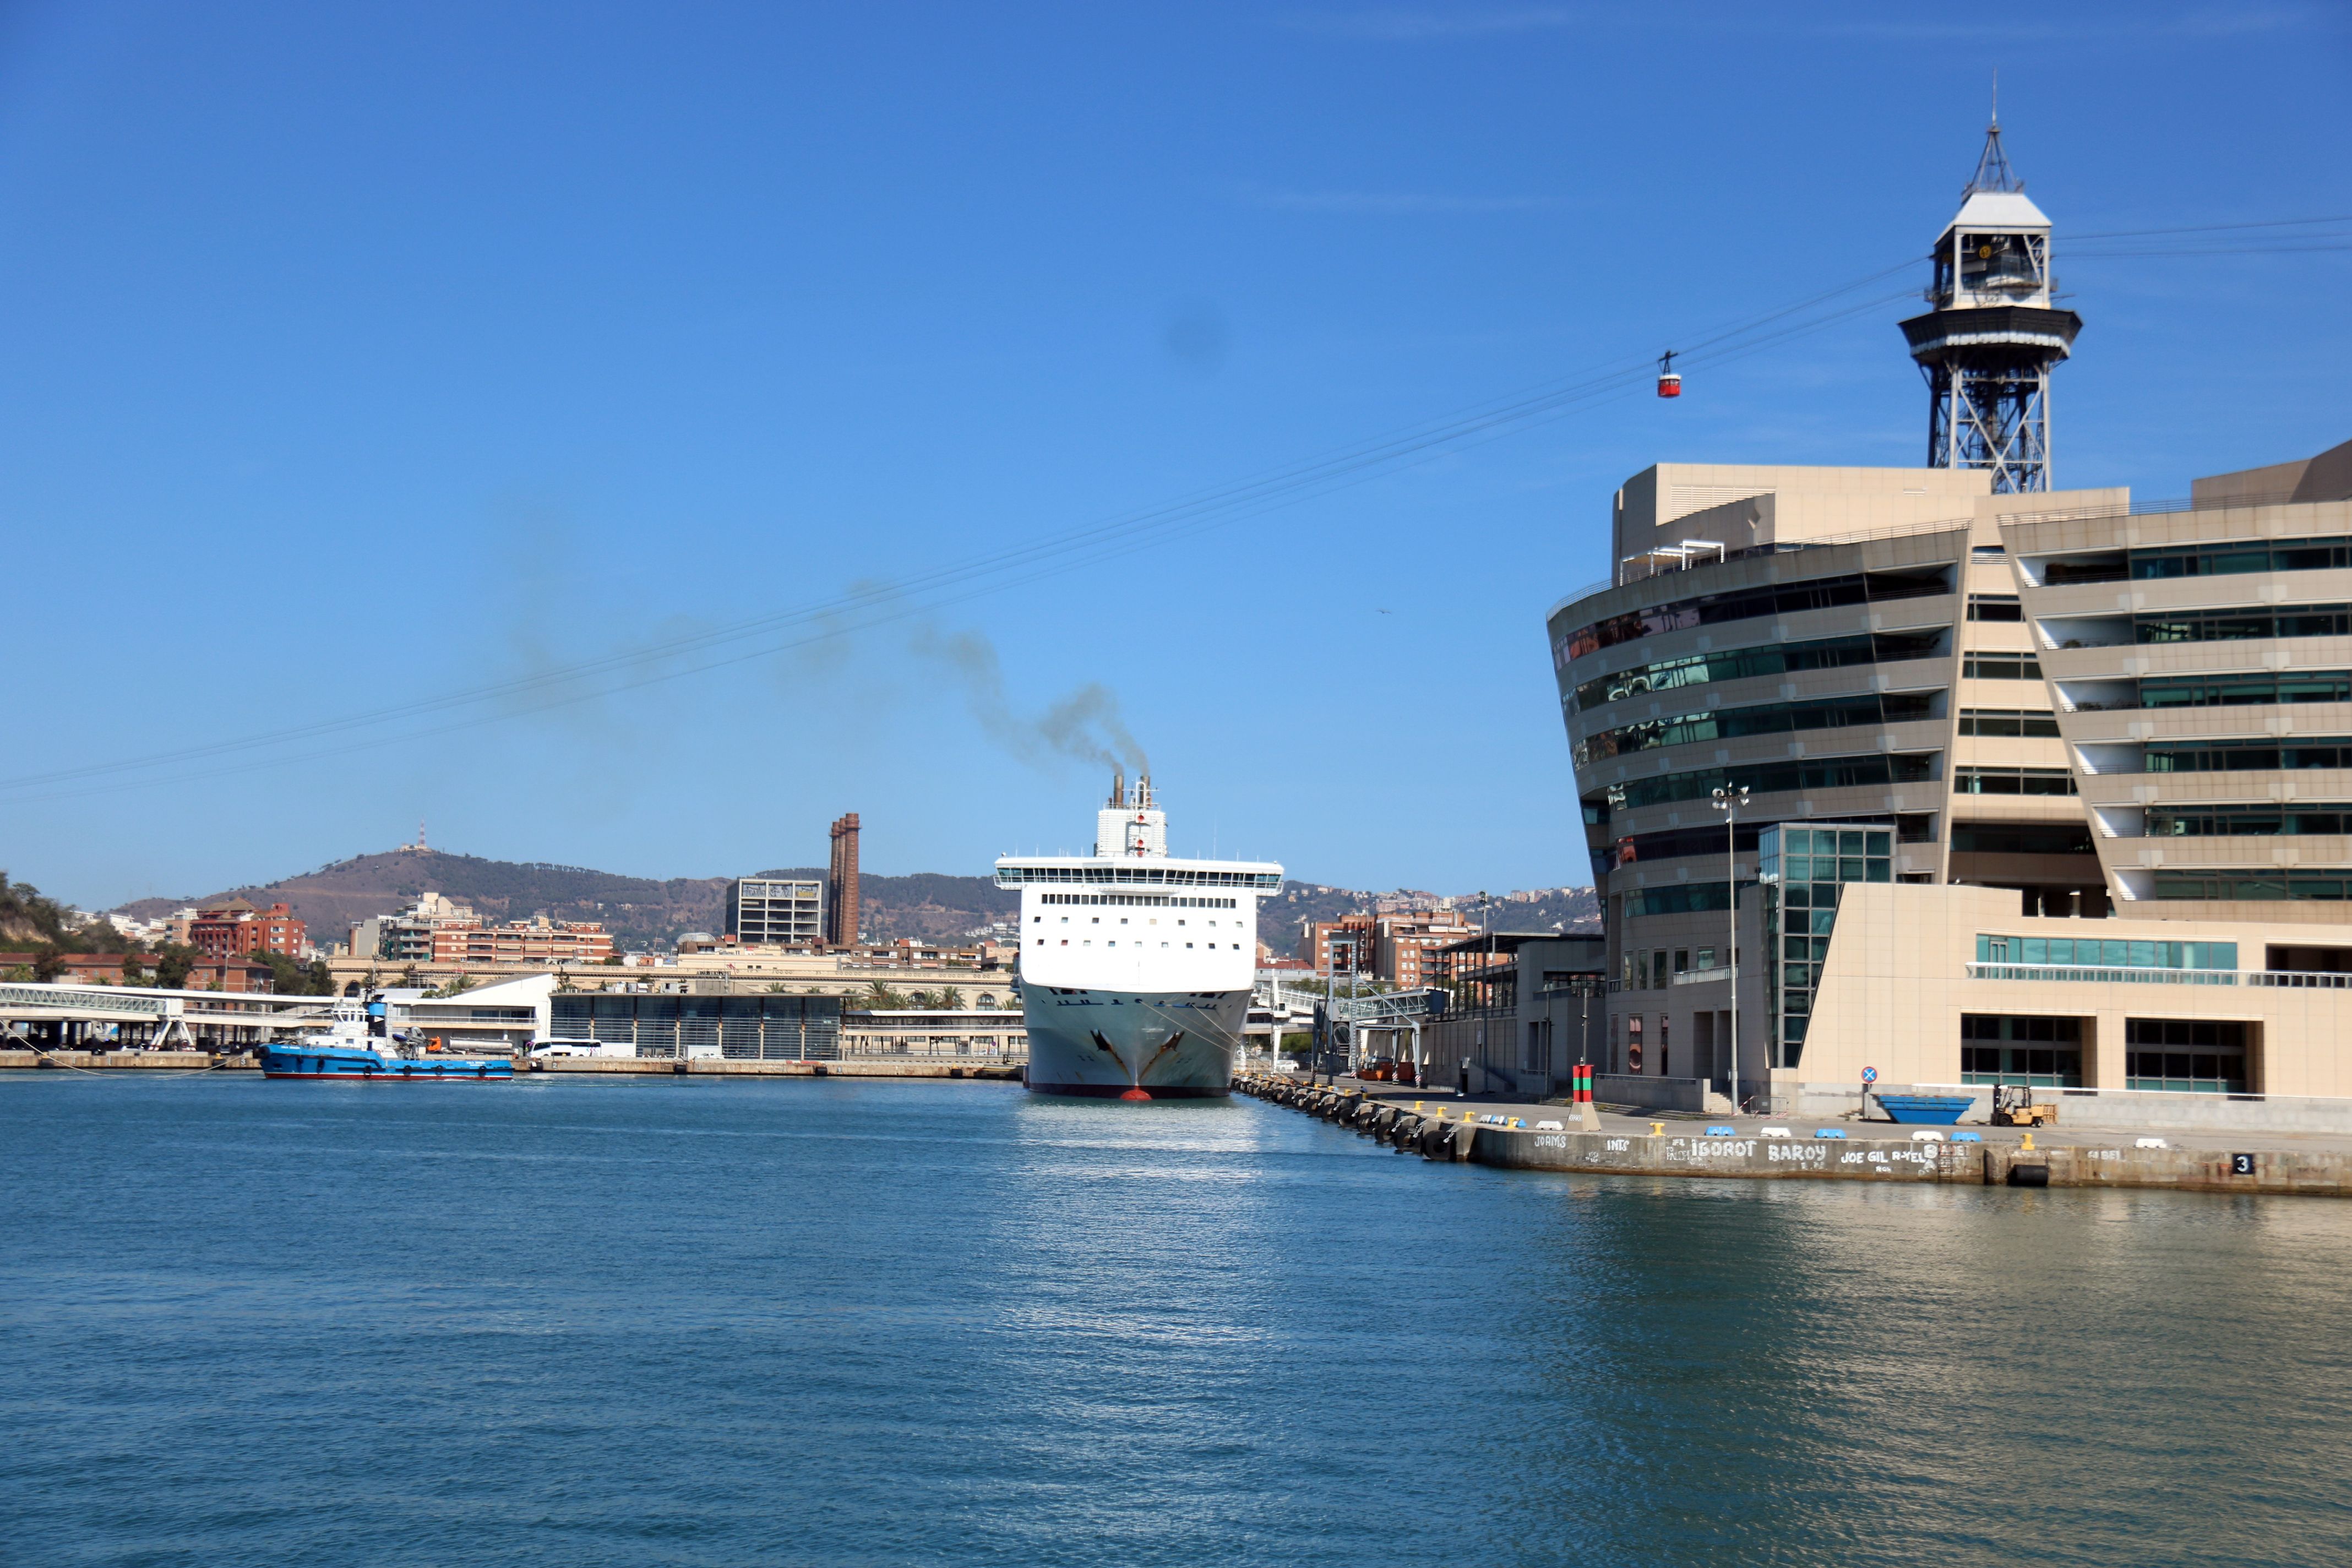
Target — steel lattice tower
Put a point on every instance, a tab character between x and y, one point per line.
1992	337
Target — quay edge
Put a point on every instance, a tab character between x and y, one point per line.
2095	1161
697	1066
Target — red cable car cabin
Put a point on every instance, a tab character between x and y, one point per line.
1669	383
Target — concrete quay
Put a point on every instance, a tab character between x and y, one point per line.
131	1062
716	1067
1539	1137
695	1066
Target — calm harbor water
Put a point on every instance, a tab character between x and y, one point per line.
812	1322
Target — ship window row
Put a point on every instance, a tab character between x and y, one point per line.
2007	721
1145	900
2244	756
1769	659
1749	604
2256	688
1779	777
2013	781
2210	558
1147	876
1868	708
2255	885
2252	820
2001	666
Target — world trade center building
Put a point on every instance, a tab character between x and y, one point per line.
2046	786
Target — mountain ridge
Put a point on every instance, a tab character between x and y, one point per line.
642	911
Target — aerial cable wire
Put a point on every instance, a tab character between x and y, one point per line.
1119	535
866	605
2206	228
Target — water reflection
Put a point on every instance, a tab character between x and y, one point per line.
840	1323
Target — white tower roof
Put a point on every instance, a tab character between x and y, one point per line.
2007	211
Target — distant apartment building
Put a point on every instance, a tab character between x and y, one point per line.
1401	945
236	928
1352	933
535	940
438	931
229	975
1388	947
407	937
773	911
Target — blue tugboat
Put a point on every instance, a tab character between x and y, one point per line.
351	1049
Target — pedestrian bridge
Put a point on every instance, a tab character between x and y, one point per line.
73	1017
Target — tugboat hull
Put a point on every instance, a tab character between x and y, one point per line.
296	1061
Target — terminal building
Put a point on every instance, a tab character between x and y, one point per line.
2126	731
2015	784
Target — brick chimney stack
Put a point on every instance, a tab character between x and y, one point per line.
841	885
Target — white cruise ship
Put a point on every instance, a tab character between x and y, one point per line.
1135	968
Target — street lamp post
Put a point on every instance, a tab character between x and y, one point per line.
1728	801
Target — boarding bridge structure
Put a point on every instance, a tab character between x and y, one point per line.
80	1017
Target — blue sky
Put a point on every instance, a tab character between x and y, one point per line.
352	356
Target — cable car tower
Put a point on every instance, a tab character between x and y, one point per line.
1992	338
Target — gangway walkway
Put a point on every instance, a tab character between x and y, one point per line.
72	1017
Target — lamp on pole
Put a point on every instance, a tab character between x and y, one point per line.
1728	801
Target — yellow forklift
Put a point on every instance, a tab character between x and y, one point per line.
2013	1105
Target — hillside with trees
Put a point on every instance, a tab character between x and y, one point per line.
32	923
641	912
650	913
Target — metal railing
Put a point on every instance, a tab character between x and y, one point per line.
2276	979
1625	575
2299	980
1586	592
2102	975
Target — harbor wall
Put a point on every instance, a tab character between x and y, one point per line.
2109	1164
2103	1158
714	1067
697	1066
173	1061
2130	1110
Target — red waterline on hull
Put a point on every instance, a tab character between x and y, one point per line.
1113	1091
1139	1092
